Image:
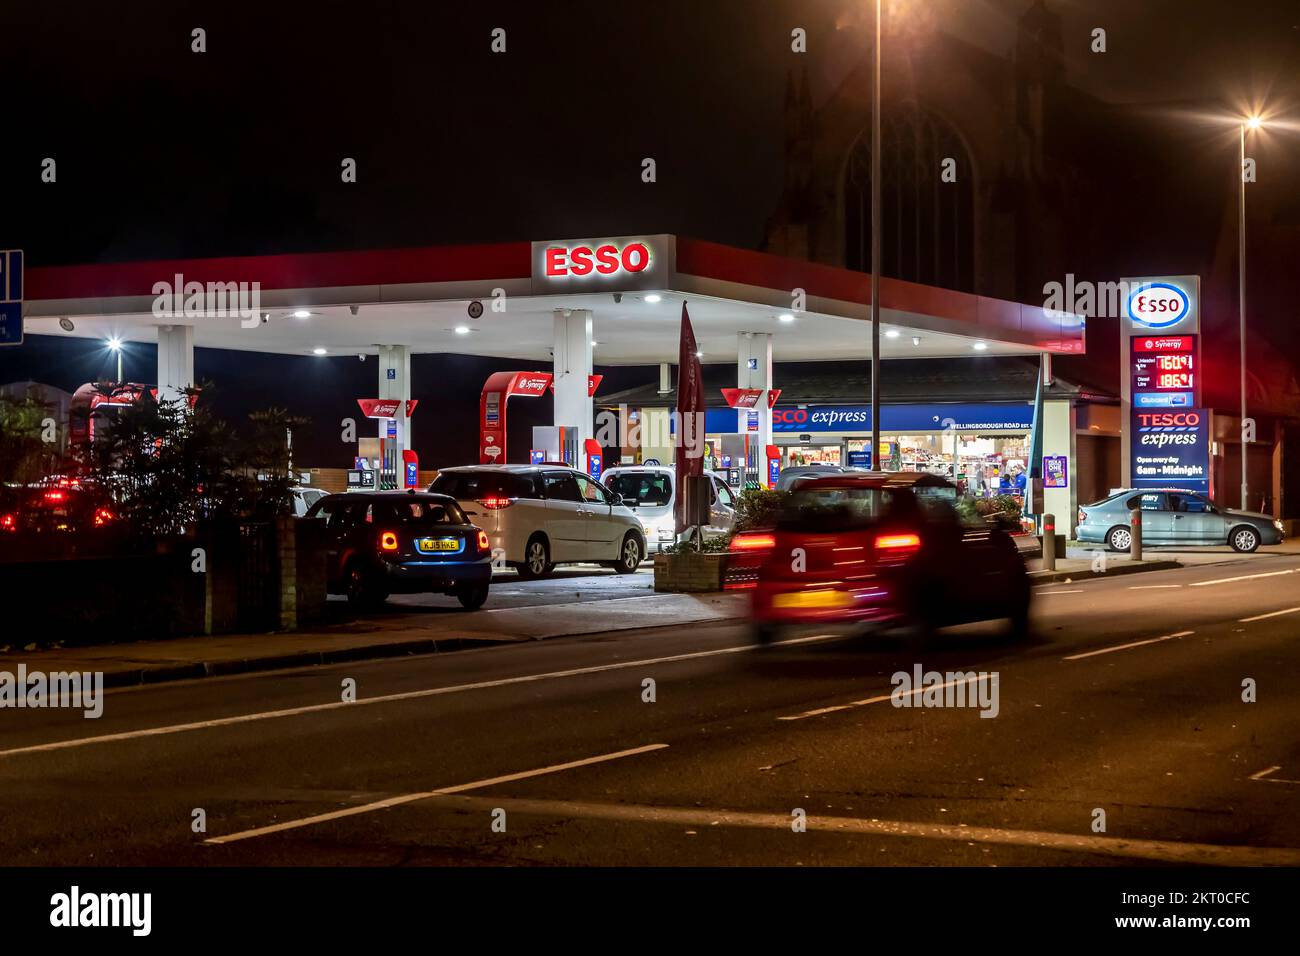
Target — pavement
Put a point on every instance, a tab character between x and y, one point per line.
574	602
1150	721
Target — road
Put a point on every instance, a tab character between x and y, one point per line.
1128	701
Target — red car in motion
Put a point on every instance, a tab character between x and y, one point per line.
877	548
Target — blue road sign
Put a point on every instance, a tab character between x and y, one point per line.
11	297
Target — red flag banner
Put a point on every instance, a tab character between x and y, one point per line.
688	457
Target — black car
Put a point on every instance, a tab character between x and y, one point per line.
403	542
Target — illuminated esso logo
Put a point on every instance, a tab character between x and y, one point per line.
1159	305
789	416
1169	419
603	260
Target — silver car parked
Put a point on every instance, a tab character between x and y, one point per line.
1174	516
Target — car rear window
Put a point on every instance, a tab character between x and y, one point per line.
650	488
477	485
415	512
821	508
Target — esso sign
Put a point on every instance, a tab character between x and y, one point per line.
1169	419
605	260
1158	306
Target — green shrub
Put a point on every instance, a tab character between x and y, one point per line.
758	507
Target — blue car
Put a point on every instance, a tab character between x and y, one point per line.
1174	516
402	542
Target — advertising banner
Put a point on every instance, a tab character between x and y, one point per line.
964	417
1170	448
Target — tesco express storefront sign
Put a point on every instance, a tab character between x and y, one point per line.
622	263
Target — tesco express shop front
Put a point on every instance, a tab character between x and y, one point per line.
983	445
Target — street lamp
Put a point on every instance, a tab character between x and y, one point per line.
875	246
115	345
1251	123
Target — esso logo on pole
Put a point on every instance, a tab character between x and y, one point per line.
605	260
1158	305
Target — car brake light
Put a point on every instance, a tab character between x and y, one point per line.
55	495
483	541
895	541
753	542
1083	516
9	522
496	502
102	517
388	541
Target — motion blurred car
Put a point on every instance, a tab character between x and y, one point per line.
402	542
788	476
651	492
64	505
538	516
875	549
1174	516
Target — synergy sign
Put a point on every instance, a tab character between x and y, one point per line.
616	264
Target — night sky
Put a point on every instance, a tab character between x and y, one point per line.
164	153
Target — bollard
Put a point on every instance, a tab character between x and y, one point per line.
1049	542
1135	528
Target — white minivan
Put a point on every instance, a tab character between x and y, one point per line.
538	516
650	491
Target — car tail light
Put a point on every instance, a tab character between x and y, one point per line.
483	544
898	542
388	541
54	495
9	522
1083	516
496	502
753	542
103	516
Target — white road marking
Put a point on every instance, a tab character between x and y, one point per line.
1151	587
1241	577
1073	591
441	791
1263	776
1125	647
881	699
1260	617
1167	851
390	698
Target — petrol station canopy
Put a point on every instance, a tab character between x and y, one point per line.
422	298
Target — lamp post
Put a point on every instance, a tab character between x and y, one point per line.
115	345
875	248
1251	122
